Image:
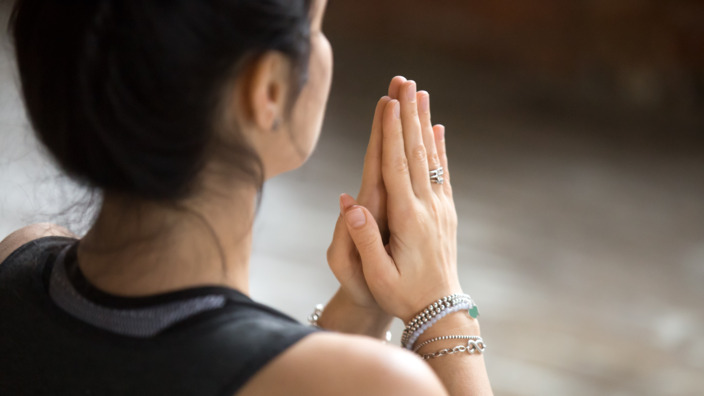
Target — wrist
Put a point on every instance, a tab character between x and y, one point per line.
343	315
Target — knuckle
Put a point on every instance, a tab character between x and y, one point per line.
366	241
413	110
434	159
435	207
448	187
413	217
406	212
419	153
400	165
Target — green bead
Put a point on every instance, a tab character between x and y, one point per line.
474	312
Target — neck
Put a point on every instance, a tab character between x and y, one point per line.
138	248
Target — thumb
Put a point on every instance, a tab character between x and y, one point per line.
367	238
341	246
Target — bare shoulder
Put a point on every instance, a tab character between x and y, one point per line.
338	364
29	233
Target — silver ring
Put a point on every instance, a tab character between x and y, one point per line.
436	175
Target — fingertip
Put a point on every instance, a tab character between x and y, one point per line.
384	99
439	131
395	84
423	98
345	202
408	91
394	107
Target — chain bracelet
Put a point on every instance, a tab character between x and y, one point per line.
443	338
471	348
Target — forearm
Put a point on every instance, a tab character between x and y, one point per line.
342	315
461	373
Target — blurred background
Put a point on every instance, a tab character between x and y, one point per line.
576	143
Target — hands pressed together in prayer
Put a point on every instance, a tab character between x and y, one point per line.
394	248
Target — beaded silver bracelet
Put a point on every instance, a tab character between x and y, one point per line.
472	347
416	334
315	316
433	310
443	338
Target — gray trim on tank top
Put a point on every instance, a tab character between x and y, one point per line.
138	322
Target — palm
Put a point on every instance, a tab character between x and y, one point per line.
343	257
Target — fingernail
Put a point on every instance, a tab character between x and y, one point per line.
411	91
424	102
397	110
355	217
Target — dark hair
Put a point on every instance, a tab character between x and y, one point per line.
127	95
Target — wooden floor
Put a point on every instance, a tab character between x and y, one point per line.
582	244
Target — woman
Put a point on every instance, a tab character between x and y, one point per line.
178	111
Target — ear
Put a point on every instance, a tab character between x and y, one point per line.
267	90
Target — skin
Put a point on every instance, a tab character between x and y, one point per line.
381	247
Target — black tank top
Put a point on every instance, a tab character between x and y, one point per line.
61	336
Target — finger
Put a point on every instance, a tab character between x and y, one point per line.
344	239
341	245
413	140
341	248
427	129
394	164
439	132
395	86
371	176
378	265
